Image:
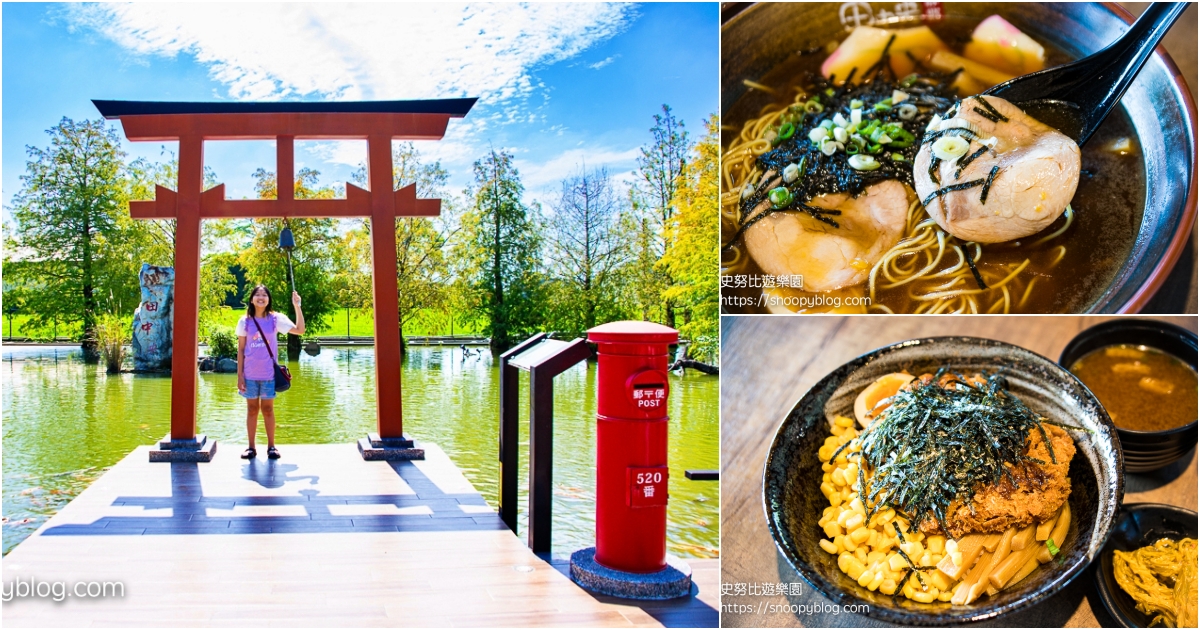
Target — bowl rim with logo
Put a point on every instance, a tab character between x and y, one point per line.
792	473
756	37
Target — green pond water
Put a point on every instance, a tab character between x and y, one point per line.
65	423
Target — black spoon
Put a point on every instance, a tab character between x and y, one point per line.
1076	97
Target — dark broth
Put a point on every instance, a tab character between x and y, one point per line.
1143	388
1108	203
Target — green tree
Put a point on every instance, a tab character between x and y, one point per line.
421	281
317	247
587	246
660	166
499	252
67	218
692	244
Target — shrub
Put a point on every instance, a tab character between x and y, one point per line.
222	344
111	336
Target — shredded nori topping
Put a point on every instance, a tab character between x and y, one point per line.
988	184
993	114
949	189
975	272
966	161
936	444
828	174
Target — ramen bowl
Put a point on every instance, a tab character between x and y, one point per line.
793	473
1139	245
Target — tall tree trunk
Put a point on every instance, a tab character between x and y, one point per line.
91	351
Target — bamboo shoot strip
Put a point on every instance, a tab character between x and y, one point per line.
988	185
1059	534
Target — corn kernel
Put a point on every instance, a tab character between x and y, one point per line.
835	499
827	489
860	535
843	421
851	474
936	544
843	516
926	560
826	466
848	543
855	522
876	582
857	506
957	558
945	596
838	477
861	554
951	546
923	597
840	541
888	587
875	557
896	562
832	530
828	546
865	578
838	431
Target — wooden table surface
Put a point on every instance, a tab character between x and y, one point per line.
768	363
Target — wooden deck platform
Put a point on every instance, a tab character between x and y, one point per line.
317	538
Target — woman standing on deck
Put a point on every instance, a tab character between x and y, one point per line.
257	332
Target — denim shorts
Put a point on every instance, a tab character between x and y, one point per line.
259	389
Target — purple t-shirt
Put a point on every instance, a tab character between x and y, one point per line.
257	364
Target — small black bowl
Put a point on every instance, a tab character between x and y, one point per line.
1138	525
793	472
1144	450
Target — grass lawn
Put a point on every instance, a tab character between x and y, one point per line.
361	324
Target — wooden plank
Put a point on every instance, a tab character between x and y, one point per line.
455	577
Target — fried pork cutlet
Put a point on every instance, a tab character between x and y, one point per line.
1039	490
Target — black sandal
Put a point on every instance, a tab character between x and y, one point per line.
273	453
249	453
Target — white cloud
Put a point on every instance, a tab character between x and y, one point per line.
601	64
567	163
365	51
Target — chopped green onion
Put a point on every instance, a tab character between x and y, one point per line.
898	157
785	132
876	134
856	104
884	139
901	138
899	96
909	80
827	124
828	91
856	116
791	173
863	162
780	197
852	149
874	148
818	134
840	120
813	107
907	111
1052	547
840	134
950	148
884	105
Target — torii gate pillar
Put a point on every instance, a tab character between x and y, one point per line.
377	122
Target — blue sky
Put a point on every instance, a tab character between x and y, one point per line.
560	85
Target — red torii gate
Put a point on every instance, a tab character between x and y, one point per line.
377	122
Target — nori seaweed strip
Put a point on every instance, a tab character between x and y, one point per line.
850	75
964	162
949	189
992	110
986	114
1045	437
988	184
878	66
934	163
955	131
862	482
975	272
900	585
839	451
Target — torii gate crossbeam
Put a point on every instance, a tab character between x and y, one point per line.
377	122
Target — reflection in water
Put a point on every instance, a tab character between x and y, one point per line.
65	422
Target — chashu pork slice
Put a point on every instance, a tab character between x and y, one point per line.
1037	176
830	258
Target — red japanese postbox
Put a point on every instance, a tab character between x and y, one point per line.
631	445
